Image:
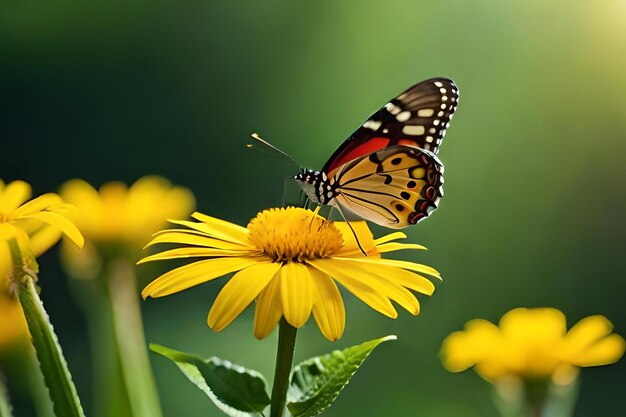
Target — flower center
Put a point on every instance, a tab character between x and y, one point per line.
294	234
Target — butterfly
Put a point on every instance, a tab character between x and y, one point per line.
388	171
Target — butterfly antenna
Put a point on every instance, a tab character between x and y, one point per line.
353	232
272	148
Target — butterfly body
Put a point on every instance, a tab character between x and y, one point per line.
388	171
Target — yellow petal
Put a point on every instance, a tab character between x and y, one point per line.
586	332
223	229
371	293
398	276
411	266
536	326
194	274
37	204
7	231
186	238
44	239
239	292
390	287
191	252
90	213
66	226
328	309
460	350
389	238
586	343
394	246
296	293
13	195
404	298
12	322
228	228
455	355
366	239
81	194
604	352
268	309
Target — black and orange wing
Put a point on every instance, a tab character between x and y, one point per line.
417	118
395	187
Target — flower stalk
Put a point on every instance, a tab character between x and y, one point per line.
131	343
284	361
51	360
5	405
109	391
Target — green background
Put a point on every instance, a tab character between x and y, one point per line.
535	176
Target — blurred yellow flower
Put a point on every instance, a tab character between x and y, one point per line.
288	261
532	343
122	217
12	321
36	224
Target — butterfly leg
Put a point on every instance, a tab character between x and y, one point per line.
330	212
353	232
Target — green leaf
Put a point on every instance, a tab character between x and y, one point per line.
51	360
316	382
237	391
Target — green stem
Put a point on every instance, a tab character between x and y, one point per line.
284	360
51	361
110	397
5	404
131	343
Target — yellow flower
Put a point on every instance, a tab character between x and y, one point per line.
120	217
288	261
36	224
12	321
532	343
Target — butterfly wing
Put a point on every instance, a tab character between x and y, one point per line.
395	187
418	117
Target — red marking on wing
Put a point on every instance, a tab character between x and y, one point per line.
350	153
408	142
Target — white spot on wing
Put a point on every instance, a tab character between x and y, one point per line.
429	139
372	124
438	84
392	108
436	122
425	112
404	116
413	130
